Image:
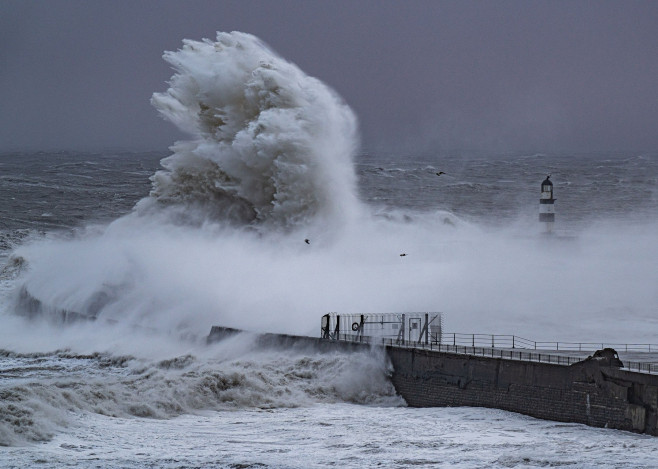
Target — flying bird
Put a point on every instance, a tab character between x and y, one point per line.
403	254
440	173
307	241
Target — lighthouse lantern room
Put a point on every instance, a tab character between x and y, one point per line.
546	212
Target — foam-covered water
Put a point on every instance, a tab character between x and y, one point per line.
43	393
266	219
340	435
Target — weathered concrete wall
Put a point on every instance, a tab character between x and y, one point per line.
286	341
589	392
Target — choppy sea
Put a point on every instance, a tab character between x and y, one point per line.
138	387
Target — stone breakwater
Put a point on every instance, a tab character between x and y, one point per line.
591	392
594	391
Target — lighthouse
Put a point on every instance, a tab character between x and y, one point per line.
546	212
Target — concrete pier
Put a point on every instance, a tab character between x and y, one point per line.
591	391
594	391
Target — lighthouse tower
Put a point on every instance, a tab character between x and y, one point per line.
546	212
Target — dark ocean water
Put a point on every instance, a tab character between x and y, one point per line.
501	189
47	191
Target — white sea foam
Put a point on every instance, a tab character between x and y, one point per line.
344	435
48	388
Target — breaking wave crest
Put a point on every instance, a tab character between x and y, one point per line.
57	386
270	144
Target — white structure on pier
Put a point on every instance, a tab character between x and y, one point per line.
398	327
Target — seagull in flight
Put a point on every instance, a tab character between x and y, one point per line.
307	241
440	173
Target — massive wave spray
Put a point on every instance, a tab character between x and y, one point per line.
221	238
271	145
271	151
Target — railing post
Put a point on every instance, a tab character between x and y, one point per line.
513	337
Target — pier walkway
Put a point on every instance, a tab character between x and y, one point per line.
641	358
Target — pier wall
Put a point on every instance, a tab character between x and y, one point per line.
587	392
590	392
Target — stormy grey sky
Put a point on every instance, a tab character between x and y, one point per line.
488	75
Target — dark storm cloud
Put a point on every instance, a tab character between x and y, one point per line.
426	74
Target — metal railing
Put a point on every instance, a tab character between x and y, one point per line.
504	347
641	367
514	342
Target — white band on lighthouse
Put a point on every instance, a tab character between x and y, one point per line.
546	213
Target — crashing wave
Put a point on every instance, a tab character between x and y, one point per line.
270	145
125	386
271	149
